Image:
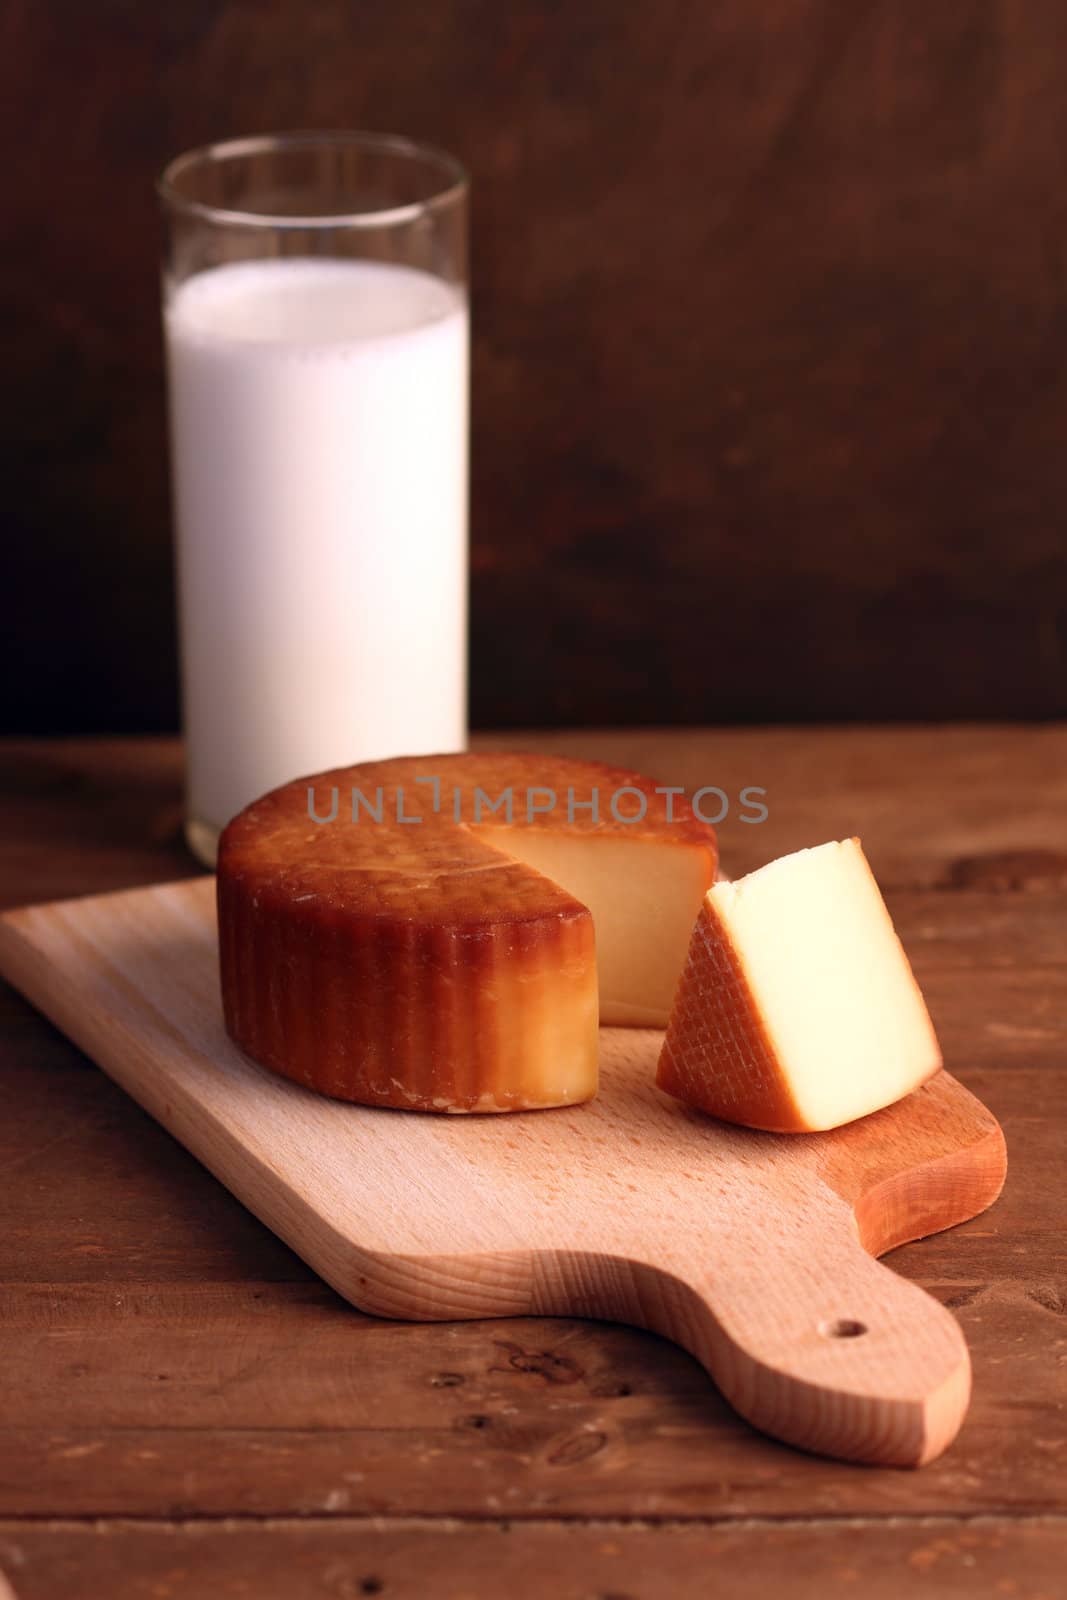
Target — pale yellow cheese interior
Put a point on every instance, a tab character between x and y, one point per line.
830	981
644	897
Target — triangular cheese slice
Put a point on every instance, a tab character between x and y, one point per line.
797	1009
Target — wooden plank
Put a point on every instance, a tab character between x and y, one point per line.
104	1204
1005	1276
628	1207
925	800
344	1559
113	1200
1000	1019
107	1194
95	1190
80	816
934	805
170	1400
974	930
99	1192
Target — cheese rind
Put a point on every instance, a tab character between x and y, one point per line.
797	1009
446	965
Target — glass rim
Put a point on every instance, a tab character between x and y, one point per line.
455	179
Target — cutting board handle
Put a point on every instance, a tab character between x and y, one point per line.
818	1344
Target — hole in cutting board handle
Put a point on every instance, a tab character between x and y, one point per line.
843	1328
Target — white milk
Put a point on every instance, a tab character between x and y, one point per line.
319	438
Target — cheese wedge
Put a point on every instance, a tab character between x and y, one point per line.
443	934
797	1009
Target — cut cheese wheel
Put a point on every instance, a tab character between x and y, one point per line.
443	934
797	1009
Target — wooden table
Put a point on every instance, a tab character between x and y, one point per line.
186	1411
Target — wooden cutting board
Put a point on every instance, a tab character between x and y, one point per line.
753	1251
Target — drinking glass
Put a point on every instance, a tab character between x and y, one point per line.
316	329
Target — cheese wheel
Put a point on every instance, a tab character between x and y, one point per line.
797	1009
444	933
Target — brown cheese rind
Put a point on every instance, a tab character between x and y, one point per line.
414	965
716	1055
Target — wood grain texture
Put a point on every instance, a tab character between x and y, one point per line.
179	1400
749	1250
941	807
345	1559
769	345
164	1356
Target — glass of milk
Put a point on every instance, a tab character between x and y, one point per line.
315	315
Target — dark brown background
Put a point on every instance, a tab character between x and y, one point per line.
771	341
